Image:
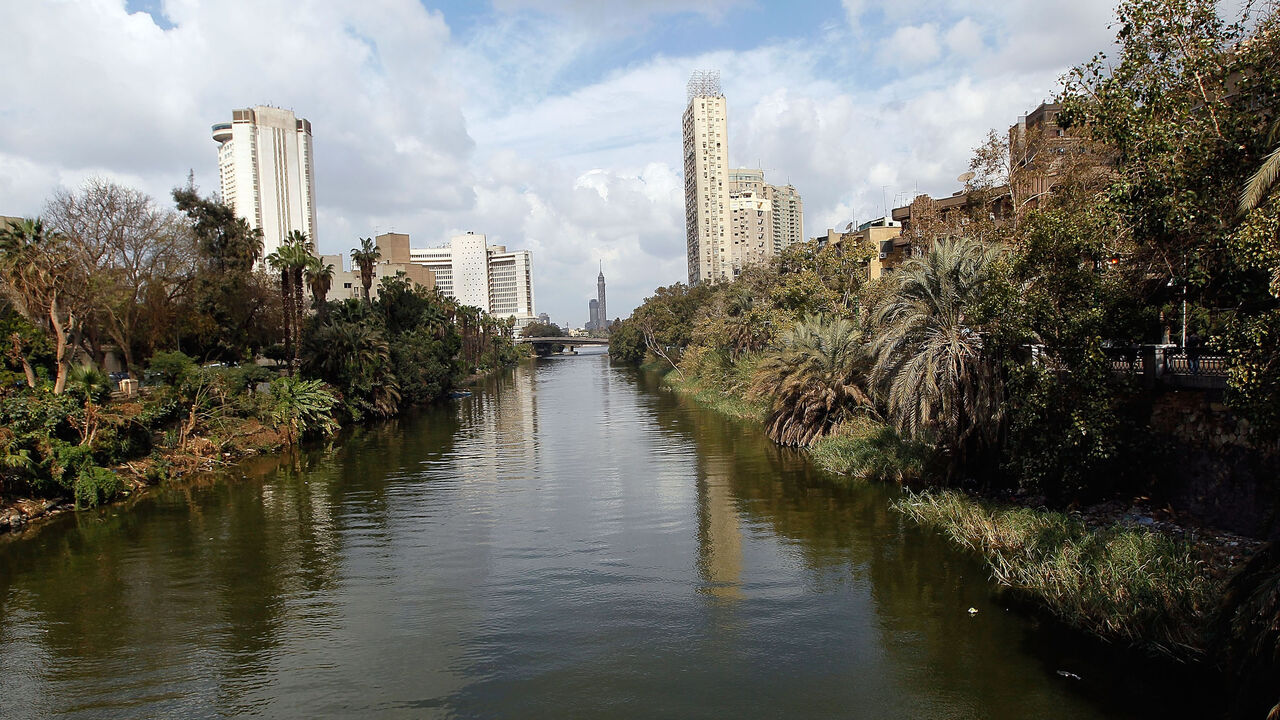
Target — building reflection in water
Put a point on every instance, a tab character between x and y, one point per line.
719	532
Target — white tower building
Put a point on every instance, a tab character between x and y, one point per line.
265	169
706	179
490	277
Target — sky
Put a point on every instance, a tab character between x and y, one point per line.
549	125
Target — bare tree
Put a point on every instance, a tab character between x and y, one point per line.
137	258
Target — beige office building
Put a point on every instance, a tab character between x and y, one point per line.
395	260
265	172
706	180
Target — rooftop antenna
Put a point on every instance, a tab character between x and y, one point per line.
884	201
704	83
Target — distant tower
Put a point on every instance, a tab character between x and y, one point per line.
594	322
265	172
602	313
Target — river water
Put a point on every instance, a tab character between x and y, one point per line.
571	541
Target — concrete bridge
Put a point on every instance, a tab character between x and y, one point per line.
566	341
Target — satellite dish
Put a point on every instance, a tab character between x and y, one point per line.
848	227
966	177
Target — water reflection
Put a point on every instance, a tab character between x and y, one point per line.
572	540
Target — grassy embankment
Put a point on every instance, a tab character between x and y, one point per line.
1124	584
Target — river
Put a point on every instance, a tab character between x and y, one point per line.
570	541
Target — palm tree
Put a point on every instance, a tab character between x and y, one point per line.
300	255
366	256
1259	185
319	280
939	382
301	406
281	261
816	378
355	357
95	387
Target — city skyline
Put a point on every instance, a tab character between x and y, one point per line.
549	125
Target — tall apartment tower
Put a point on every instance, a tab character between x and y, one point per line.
602	313
706	180
750	216
788	216
593	309
266	174
765	219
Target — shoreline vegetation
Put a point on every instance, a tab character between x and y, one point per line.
989	364
1117	580
113	273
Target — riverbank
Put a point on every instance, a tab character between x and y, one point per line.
1116	571
234	438
137	443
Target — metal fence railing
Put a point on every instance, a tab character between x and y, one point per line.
1179	363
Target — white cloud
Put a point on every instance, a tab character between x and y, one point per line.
911	46
501	131
965	38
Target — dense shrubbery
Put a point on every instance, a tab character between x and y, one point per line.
406	348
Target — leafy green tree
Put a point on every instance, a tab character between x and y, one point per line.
931	361
1183	111
233	307
25	346
626	343
172	367
814	380
542	330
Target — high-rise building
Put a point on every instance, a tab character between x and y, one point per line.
750	216
602	314
490	277
593	308
788	216
706	179
265	172
765	219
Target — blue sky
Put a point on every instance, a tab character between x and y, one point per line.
552	125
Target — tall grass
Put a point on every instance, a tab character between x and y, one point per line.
1123	584
869	451
711	379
